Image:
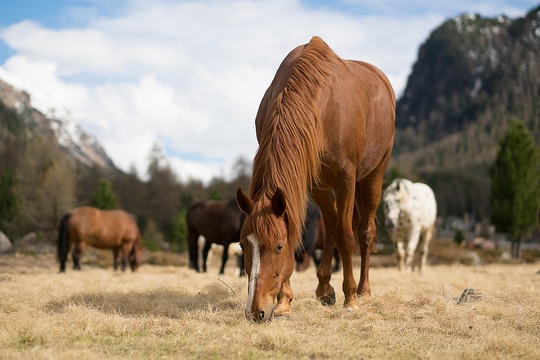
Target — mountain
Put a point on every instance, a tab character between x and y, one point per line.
78	144
473	76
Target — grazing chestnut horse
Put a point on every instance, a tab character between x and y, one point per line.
327	125
103	229
219	222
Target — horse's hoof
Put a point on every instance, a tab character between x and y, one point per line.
351	306
328	300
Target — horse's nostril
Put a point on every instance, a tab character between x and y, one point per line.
260	315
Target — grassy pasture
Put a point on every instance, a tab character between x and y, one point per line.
171	312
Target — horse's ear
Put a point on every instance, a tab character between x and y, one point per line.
278	202
398	183
244	203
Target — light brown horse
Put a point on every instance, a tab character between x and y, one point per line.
87	225
324	124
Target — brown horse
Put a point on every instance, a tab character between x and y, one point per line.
219	222
87	225
327	125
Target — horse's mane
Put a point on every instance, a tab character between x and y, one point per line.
288	156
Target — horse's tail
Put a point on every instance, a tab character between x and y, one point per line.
63	241
193	237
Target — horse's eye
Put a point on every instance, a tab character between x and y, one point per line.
279	248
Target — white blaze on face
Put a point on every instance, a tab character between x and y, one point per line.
255	266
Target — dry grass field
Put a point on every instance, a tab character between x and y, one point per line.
171	312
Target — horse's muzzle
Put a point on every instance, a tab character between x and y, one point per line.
261	315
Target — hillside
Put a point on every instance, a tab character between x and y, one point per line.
472	76
78	144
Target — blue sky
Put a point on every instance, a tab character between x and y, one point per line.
189	75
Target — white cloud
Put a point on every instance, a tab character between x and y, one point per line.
190	75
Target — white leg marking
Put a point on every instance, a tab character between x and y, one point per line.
255	266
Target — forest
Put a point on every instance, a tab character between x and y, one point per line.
459	100
40	181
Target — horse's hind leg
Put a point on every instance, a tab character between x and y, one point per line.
400	255
193	243
76	255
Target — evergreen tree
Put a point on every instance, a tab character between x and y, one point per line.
9	205
162	191
45	186
179	231
104	197
515	191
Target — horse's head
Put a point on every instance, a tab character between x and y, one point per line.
268	253
135	258
394	201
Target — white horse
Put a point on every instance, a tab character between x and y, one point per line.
410	210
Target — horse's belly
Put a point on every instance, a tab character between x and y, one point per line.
99	242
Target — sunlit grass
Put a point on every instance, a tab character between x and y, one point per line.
173	312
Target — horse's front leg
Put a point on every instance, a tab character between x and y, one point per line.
426	239
345	240
224	258
325	292
400	255
284	298
412	244
126	249
116	257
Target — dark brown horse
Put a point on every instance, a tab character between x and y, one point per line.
324	124
313	236
219	222
87	225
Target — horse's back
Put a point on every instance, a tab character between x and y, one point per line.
426	203
102	228
358	115
206	218
124	223
355	108
83	220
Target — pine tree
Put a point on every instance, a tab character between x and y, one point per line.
515	191
104	197
9	205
